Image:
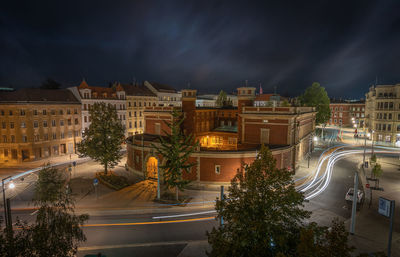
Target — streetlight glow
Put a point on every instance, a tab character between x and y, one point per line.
12	185
315	138
369	134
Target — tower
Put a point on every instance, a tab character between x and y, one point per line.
246	97
188	109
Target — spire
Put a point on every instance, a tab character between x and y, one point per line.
83	84
261	90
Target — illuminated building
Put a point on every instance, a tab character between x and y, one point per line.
228	137
38	123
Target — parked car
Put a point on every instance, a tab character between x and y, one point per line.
350	193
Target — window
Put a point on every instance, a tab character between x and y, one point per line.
134	104
35	112
24	139
62	112
217	169
35	124
44	112
134	114
5	153
4	139
69	122
23	125
140	124
68	111
46	137
84	107
45	123
398	127
76	121
54	135
36	138
10	113
2	112
85	118
62	135
77	133
135	124
129	104
140	114
12	125
129	114
69	134
130	124
390	116
140	104
22	112
384	116
3	124
53	123
61	123
389	127
53	112
75	111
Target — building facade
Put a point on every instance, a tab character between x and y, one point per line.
166	95
88	95
343	113
38	123
138	97
382	114
228	137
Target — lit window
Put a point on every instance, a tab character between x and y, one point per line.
217	169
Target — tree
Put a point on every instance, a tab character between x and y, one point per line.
377	170
373	159
176	148
57	229
316	96
50	84
285	103
263	216
102	140
223	100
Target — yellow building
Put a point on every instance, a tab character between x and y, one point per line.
38	123
138	97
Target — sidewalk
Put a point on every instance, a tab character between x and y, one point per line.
372	229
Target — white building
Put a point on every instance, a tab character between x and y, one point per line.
88	95
167	96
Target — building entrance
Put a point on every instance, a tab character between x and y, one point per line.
151	167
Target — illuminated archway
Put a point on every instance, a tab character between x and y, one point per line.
151	167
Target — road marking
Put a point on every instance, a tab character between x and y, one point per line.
103	247
147	222
33	213
183	215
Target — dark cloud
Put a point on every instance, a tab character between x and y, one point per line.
210	44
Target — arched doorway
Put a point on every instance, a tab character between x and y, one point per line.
151	166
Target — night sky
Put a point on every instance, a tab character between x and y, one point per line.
210	44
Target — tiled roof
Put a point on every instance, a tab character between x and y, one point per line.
137	90
263	97
39	95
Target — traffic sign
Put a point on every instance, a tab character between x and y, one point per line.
367	185
95	182
384	206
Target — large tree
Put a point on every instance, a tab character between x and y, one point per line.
176	148
102	140
263	215
316	96
57	229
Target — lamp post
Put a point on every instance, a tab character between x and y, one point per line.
372	143
6	210
365	146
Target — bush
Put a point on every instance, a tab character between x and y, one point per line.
112	180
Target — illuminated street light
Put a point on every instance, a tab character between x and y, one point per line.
315	138
355	125
11	186
369	134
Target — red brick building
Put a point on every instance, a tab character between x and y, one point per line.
228	137
343	112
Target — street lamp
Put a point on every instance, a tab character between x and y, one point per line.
5	206
372	143
365	146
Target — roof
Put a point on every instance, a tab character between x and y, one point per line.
162	87
346	101
110	92
233	129
39	95
266	97
137	90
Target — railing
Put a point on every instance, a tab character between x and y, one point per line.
291	110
